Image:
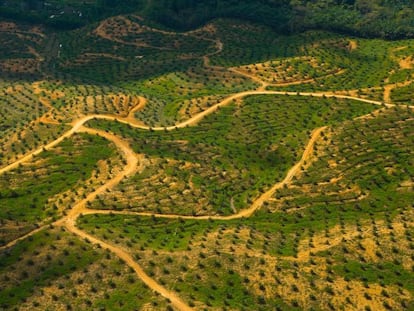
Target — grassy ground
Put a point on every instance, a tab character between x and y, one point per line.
124	50
170	94
32	193
55	270
338	237
403	95
313	246
228	159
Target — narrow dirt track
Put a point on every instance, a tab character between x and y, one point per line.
141	105
76	125
388	89
133	164
23	237
245	212
195	119
265	84
52	144
129	169
69	221
150	282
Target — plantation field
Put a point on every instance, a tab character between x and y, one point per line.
316	244
22	57
56	270
42	188
224	168
229	158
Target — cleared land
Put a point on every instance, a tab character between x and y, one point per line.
148	169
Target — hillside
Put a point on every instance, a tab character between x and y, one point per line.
393	19
224	167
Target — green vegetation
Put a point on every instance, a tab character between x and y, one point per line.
19	106
403	95
169	94
79	220
228	158
329	250
348	172
387	272
27	193
67	14
125	53
365	67
54	269
20	60
388	19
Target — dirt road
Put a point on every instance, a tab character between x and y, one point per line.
129	169
118	251
134	163
242	213
76	125
69	221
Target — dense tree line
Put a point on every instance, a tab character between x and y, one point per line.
183	14
392	19
67	14
370	18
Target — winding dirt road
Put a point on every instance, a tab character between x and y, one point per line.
264	84
135	163
257	204
76	125
129	169
176	301
69	221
